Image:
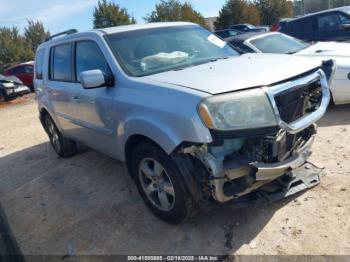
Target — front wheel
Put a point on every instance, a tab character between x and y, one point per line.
160	184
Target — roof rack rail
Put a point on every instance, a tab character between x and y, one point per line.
68	32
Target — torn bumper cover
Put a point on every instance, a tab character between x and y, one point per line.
297	180
274	170
232	182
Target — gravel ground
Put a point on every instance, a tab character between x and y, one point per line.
88	204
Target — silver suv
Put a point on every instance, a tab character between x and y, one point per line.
194	121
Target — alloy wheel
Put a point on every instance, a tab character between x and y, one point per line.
156	184
53	133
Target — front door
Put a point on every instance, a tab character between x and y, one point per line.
94	108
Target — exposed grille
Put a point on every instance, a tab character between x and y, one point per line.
220	136
296	102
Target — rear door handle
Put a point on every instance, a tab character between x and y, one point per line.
75	99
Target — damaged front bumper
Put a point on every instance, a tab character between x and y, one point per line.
239	163
230	181
295	181
310	94
274	170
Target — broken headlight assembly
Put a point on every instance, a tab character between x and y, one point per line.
246	109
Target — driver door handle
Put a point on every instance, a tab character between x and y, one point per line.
75	99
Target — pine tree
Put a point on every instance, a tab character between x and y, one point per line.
108	14
174	10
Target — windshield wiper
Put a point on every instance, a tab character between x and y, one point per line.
201	63
183	67
219	58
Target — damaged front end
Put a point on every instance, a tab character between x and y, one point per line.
273	158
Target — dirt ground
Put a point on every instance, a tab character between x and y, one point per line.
88	204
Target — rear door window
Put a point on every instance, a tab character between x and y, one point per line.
17	70
39	61
61	66
302	25
328	22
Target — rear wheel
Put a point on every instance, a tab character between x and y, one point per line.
63	147
160	184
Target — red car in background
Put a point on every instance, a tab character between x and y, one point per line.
24	72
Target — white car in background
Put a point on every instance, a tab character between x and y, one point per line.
11	87
284	44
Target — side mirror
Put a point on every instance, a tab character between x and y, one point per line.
346	26
95	78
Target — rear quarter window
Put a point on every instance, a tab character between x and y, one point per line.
39	62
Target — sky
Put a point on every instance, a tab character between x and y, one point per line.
60	15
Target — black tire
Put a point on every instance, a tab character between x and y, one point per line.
4	95
331	103
183	206
63	146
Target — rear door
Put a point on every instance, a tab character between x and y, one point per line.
59	85
302	28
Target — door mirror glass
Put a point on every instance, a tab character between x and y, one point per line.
92	79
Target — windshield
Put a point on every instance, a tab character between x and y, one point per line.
347	10
279	44
150	51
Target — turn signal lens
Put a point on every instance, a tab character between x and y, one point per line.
205	115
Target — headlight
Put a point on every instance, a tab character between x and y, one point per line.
238	110
8	85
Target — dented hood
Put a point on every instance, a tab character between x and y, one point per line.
236	73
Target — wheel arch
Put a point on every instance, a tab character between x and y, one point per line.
131	144
43	112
